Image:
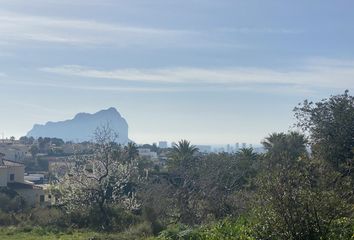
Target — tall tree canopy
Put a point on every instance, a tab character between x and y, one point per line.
330	125
284	149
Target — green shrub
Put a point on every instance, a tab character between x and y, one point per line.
10	201
238	229
138	231
176	232
7	219
119	219
342	229
49	217
301	202
150	216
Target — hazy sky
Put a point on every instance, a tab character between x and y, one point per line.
205	70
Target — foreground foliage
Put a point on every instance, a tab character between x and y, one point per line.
38	233
301	187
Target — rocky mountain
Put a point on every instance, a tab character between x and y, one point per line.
82	126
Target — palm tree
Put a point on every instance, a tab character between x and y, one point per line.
131	151
181	165
247	153
246	158
274	140
283	147
247	164
182	153
184	148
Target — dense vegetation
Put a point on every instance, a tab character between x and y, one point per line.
300	188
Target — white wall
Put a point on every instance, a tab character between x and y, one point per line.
3	177
32	196
18	171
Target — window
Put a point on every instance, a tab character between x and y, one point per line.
12	177
41	198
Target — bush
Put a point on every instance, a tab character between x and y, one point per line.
239	229
49	217
178	232
7	219
151	218
10	201
119	219
138	231
301	202
229	229
342	229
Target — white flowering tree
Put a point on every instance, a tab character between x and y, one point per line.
101	180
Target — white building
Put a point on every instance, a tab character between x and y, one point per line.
204	148
162	144
146	152
237	147
12	176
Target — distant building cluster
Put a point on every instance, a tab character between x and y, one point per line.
147	153
229	148
44	157
163	144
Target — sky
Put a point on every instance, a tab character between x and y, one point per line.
212	72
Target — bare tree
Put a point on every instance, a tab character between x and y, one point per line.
102	179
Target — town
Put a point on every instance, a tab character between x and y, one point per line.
29	166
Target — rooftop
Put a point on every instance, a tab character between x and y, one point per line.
6	163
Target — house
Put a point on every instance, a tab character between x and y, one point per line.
12	175
147	153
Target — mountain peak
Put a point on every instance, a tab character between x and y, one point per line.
105	112
82	126
110	110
